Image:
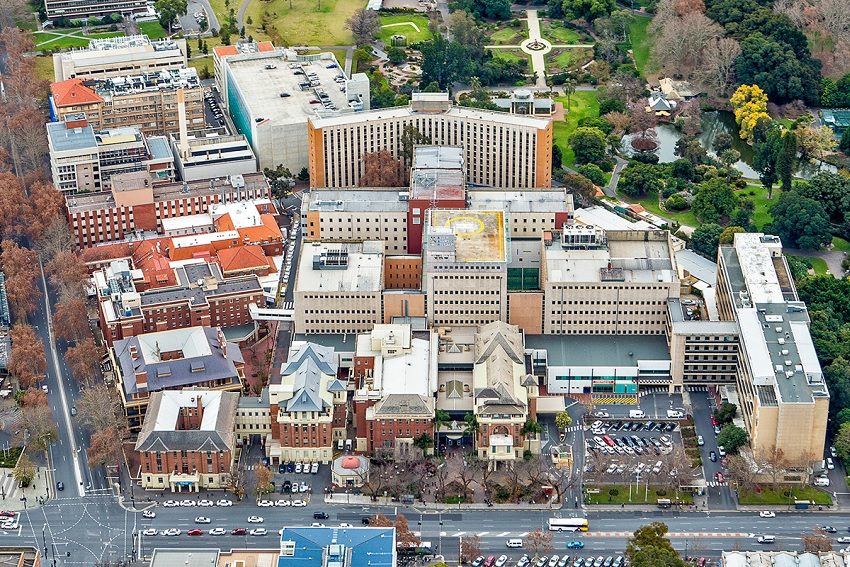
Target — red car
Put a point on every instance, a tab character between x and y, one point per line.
718	476
238	531
713	421
195	531
7	514
490	561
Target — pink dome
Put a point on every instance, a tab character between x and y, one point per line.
351	463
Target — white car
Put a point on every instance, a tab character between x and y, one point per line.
148	514
314	468
845	539
258	531
830	464
170	504
295	488
317	525
202	520
721	450
282	503
224	503
298	467
170	532
265	503
150	532
304	487
299	503
217	531
305	468
255	519
767	514
700	440
206	503
187	503
500	562
345	525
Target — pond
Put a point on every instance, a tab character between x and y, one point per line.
713	123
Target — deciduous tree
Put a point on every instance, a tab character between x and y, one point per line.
102	448
27	362
37	426
84	359
21	268
98	408
70	320
25	470
563	420
263	477
381	169
539	541
364	25
470	548
750	105
580	187
34	397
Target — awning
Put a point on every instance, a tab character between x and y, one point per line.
551	404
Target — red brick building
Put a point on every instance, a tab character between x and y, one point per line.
187	440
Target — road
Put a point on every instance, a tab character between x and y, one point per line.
719	497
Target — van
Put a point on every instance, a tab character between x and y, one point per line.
766	539
664	503
348	444
340	443
514	543
675	414
821	481
636	414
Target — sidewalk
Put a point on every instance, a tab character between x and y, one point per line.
354	499
11	497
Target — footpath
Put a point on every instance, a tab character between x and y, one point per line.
14	498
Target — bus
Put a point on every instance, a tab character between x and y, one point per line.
568	524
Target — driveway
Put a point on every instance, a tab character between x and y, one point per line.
719	497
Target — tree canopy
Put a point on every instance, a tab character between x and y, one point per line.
588	144
649	547
639	179
706	238
800	222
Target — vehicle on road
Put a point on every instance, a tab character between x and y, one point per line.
299	503
515	542
255	519
320	516
575	544
265	503
832	452
721	450
766	539
281	503
195	532
712	456
843	539
217	531
60	485
170	532
238	531
700	440
150	532
828	529
258	532
478	561
206	503
718	476
148	514
317	525
187	503
224	502
345	525
202	520
767	514
568	524
170	504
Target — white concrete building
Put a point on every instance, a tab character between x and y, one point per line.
119	56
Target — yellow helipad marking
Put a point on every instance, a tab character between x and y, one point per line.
473	225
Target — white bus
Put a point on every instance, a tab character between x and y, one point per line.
568	524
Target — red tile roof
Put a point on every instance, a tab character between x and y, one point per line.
242	258
73	92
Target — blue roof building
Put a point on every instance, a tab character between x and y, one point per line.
338	547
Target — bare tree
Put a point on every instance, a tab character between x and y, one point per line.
680	42
27	362
465	476
364	25
539	541
817	542
263	477
99	408
441	477
381	169
37	427
470	548
718	65
742	471
773	463
403	534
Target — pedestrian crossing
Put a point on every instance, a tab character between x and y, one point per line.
715	484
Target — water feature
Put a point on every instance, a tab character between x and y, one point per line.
713	123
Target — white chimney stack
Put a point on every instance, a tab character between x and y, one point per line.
181	118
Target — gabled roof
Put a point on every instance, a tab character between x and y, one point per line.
73	92
215	433
403	404
323	357
336	386
498	347
308	381
241	258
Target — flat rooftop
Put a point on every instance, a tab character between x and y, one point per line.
608	220
262	80
593	255
471	236
554	201
64	139
372	199
698	266
334	267
599	350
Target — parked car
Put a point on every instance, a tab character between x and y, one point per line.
712	456
700	440
255	520
258	532
202	520
767	514
150	532
217	531
238	531
224	502
478	561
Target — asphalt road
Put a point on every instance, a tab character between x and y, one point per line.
719	497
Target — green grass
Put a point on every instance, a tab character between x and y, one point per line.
818	264
152	29
779	496
638	495
510	55
308	22
583	104
761	212
8	459
400	25
44	68
564	59
650	203
559	34
78	39
507	36
201	62
840	245
640	42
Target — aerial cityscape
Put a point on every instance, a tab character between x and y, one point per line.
551	283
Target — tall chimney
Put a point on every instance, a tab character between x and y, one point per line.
181	118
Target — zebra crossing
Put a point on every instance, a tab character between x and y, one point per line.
715	484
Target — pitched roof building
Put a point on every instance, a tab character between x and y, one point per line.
187	439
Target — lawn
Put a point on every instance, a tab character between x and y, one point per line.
9	458
780	496
619	494
556	33
508	36
414	28
640	41
840	245
583	103
818	264
44	68
650	203
761	213
564	59
152	29
202	62
510	54
307	23
43	41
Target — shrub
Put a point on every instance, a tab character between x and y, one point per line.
592	172
676	203
646	157
606	165
614	492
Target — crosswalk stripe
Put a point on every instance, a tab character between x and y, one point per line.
503	534
458	534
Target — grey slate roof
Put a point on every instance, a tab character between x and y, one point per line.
307	368
219	439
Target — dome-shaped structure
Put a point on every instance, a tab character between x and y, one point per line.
351	463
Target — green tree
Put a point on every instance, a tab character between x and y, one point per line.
726	413
706	238
396	55
169	10
557	157
842	442
842	416
714	202
25	470
732	438
722	142
580	187
531	428
786	160
729	158
443	62
800	222
224	35
728	234
563	420
776	68
844	144
587	9
471	422
592	172
649	547
765	157
832	190
639	179
588	144
569	88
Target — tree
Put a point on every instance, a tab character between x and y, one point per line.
557	157
729	158
21	268
643	123
381	169
470	548
396	55
37	426
443	62
465	31
99	408
620	121
705	239
70	320
765	158
832	190
588	144
569	87
84	359
786	160
410	138
592	172
539	541
587	9
364	25
718	64
681	41
34	397
27	362
776	69
732	437
102	448
263	477
814	142
800	222
639	179
844	144
742	470
563	420
25	470
722	141
580	187
842	442
750	105
817	542
727	237
169	10
714	201
649	547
